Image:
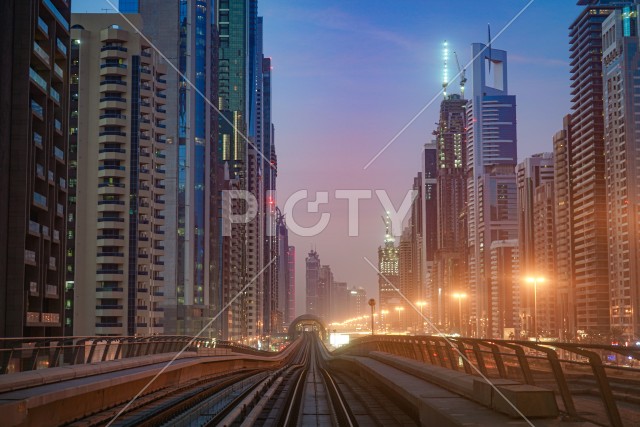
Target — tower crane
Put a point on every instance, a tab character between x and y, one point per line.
463	78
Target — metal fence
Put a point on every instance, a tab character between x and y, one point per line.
592	382
26	354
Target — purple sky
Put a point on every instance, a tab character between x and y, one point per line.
348	75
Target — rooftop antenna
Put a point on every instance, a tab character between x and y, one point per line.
445	74
463	78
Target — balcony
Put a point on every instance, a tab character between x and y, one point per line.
62	48
37	110
58	154
51	291
51	318
43	27
58	71
33	317
113	51
40	201
109	293
30	257
54	95
113	69
34	228
38	80
113	120
41	53
37	139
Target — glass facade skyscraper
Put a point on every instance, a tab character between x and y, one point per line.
491	181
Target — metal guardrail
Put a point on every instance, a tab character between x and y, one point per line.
27	354
570	370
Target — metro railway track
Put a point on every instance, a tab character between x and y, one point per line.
163	405
315	393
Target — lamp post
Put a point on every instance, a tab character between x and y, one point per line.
372	304
535	281
399	310
421	304
459	296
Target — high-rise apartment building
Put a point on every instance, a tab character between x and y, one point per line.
185	33
491	182
290	308
34	111
389	268
312	283
621	62
325	286
121	140
532	174
563	236
545	256
358	305
449	275
339	308
505	290
588	208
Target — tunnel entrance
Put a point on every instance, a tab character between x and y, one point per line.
307	323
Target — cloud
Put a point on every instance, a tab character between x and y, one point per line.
336	19
541	61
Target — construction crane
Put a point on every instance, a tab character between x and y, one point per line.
445	74
463	78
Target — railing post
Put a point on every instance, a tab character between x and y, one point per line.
605	388
522	361
497	357
561	379
452	357
465	362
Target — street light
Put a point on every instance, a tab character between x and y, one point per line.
535	281
421	304
399	310
459	296
372	304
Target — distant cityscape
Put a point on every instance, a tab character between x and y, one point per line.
547	248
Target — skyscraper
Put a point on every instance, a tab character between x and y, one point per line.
563	235
119	260
34	111
388	265
185	33
588	208
290	308
450	257
505	289
621	62
312	283
491	182
532	175
545	260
